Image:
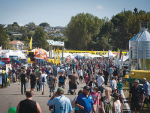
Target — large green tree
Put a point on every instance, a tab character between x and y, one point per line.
15	24
44	24
39	38
81	29
4	41
31	26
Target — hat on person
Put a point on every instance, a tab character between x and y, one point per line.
144	78
87	87
61	71
60	90
115	89
116	95
136	80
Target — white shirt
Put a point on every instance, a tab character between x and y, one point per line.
70	72
58	69
113	84
80	72
148	89
100	80
43	75
118	106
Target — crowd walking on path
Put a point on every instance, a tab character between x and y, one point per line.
95	73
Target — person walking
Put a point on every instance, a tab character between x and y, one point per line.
80	74
87	79
100	82
43	80
107	101
106	75
73	81
33	80
95	97
93	84
85	102
146	87
38	74
120	85
70	72
55	73
61	80
113	84
28	73
60	102
52	84
137	97
28	105
23	82
120	96
117	108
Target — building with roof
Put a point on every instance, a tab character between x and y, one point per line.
17	44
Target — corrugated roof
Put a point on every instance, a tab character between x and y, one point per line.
141	36
16	42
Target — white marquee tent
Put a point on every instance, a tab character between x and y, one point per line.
96	56
15	53
65	55
110	55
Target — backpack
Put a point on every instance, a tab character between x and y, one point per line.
43	79
62	79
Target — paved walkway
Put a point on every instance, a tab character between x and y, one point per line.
11	96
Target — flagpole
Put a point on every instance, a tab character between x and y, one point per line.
1	53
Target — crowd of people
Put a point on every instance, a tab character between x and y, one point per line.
95	73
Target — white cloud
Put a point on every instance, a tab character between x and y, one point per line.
21	24
100	7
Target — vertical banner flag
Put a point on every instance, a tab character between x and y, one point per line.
118	52
0	49
30	44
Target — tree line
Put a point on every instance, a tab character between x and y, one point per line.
83	32
87	32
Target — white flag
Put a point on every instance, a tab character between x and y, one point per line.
0	49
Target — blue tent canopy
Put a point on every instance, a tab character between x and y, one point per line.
17	61
2	62
77	57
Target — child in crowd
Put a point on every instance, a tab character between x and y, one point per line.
120	96
95	97
120	85
74	99
93	84
117	104
87	79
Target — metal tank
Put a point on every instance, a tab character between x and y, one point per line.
139	47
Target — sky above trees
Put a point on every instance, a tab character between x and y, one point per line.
59	12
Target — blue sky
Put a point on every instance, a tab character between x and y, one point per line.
59	12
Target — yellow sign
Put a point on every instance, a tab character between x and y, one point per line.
56	56
91	52
51	60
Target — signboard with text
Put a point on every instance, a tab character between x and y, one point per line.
55	43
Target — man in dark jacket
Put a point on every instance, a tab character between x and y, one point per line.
137	97
23	82
33	80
